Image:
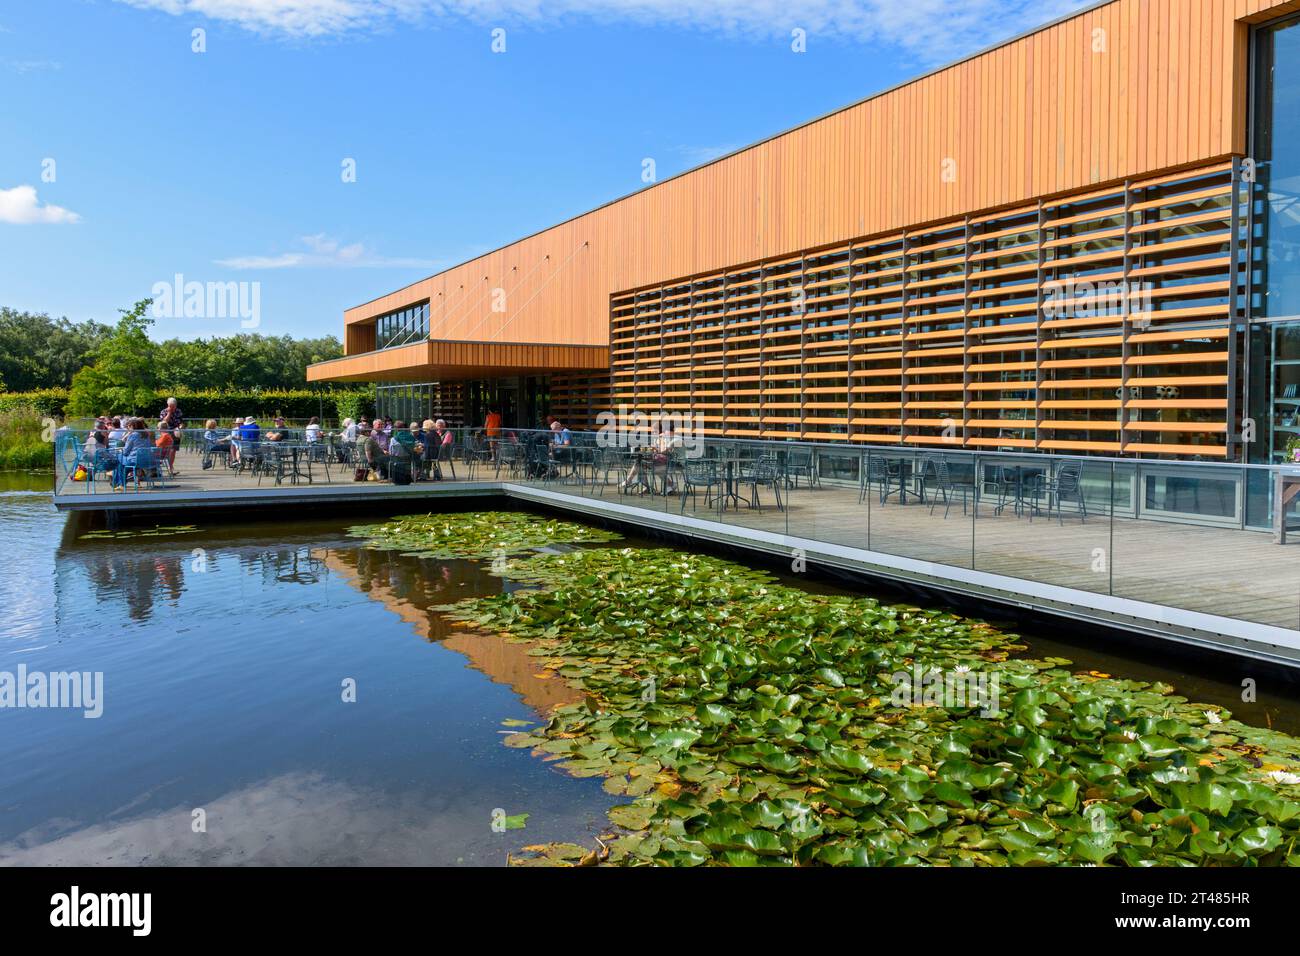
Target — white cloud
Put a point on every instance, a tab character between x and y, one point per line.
322	252
20	207
929	30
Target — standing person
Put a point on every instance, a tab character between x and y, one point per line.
171	419
492	428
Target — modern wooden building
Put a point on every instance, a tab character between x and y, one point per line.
1085	239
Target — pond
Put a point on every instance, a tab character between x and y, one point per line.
277	692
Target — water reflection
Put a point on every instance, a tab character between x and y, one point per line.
226	696
296	819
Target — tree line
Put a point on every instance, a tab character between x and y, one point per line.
40	352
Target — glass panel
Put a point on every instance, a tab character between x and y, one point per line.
1277	151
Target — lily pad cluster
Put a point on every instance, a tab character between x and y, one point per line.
159	531
482	534
753	723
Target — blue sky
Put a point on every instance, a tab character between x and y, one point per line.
226	165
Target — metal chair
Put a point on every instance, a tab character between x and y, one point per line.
802	463
143	463
942	484
1066	485
509	458
1005	483
699	473
444	456
607	462
765	471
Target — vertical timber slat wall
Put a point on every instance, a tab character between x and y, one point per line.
1108	95
1092	322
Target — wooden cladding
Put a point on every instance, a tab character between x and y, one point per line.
1111	94
1097	322
577	400
441	359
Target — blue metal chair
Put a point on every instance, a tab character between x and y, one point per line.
143	463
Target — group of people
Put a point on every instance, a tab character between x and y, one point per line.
386	450
247	430
394	451
115	443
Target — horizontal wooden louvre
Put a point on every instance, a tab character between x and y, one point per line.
1088	323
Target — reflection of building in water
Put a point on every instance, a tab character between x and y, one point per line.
410	587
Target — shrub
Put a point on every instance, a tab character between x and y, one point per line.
24	438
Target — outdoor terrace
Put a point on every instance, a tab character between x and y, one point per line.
1182	550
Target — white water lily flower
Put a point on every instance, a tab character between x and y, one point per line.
1129	735
1281	776
1212	717
961	669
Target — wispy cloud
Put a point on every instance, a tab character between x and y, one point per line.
28	66
20	207
322	252
696	155
929	30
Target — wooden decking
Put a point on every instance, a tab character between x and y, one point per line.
1227	573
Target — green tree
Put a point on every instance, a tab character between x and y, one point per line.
39	352
124	376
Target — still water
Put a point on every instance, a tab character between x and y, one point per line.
224	656
223	691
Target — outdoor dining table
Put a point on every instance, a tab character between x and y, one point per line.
907	485
729	469
289	458
1024	478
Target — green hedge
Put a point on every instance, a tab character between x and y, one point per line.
223	406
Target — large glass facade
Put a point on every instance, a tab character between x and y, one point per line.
1274	347
402	327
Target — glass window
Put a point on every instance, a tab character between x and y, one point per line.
1277	153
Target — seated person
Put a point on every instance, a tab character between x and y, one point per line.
136	453
440	443
312	433
373	453
167	442
561	441
401	454
232	440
